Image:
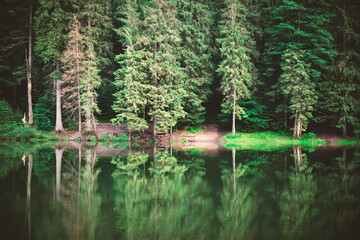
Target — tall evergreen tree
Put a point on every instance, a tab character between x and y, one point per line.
90	81
166	86
236	67
73	72
296	84
196	21
130	78
51	20
342	96
96	28
297	25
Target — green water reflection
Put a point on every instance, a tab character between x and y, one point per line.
152	193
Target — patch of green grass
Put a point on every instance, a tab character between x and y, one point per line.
268	141
347	142
29	134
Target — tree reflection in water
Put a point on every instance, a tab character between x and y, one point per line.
297	201
237	211
165	205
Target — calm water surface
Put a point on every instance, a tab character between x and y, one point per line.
171	194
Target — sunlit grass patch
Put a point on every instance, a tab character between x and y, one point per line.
347	142
268	141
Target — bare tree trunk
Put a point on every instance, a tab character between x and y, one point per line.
79	113
154	127
233	117
59	125
285	114
295	124
28	69
299	127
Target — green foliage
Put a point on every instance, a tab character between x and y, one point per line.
196	56
44	114
297	86
195	129
268	141
236	68
26	133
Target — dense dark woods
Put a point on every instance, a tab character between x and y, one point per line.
256	65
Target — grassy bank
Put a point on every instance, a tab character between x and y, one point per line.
25	134
269	141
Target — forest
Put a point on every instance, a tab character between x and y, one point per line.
253	65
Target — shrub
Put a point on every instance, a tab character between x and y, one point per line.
44	117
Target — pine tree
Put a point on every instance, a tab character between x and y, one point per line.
96	27
342	96
236	67
296	84
130	78
89	82
73	72
166	85
51	21
297	25
196	21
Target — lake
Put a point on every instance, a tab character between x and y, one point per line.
188	193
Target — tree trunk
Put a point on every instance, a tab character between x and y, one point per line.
299	127
59	125
295	124
285	114
234	115
29	66
79	111
154	127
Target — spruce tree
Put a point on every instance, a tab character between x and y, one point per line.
296	84
236	67
166	86
196	21
89	82
51	20
342	102
297	25
130	78
73	72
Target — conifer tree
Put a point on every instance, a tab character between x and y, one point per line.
73	72
96	27
130	78
166	85
51	20
89	82
196	21
298	25
342	92
236	68
295	82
